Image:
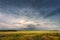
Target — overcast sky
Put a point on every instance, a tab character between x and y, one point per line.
30	14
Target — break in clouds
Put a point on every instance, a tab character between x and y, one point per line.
29	15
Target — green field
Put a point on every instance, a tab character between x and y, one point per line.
29	35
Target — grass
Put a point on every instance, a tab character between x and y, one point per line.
29	35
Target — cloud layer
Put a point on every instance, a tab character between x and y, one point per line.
27	18
30	14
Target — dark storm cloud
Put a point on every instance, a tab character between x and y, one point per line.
33	3
36	4
55	12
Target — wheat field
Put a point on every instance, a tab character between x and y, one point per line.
30	35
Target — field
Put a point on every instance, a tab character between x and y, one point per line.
29	35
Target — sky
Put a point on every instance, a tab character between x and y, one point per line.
29	14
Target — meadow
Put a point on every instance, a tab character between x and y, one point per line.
30	35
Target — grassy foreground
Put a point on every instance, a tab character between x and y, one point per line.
29	35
